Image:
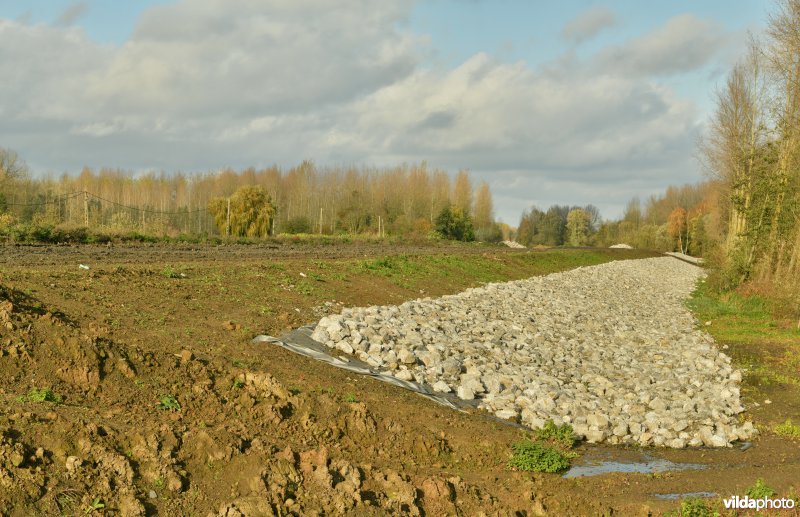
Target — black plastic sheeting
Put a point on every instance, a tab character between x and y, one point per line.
299	341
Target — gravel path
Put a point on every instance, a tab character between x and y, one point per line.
610	349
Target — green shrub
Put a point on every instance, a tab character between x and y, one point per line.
453	224
535	457
760	490
297	225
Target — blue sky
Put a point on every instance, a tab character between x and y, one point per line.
550	102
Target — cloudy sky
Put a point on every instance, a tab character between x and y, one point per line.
568	102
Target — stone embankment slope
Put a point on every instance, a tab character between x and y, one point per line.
609	349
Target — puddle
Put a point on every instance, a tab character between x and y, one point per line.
649	466
675	497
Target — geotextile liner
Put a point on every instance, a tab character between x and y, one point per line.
299	341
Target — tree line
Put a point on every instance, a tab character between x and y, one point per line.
753	153
405	200
559	225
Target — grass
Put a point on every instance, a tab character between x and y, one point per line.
788	429
170	272
757	343
413	272
738	318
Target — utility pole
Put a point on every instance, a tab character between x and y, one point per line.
320	220
86	208
228	225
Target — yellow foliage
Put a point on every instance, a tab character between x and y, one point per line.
247	213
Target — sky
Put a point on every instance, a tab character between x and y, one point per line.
570	102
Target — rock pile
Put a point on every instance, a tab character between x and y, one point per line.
609	349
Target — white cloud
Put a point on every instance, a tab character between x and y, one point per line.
71	14
204	57
589	24
683	44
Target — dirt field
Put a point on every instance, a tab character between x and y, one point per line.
132	388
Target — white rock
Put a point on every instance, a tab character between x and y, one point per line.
507	414
406	356
345	347
404	375
464	393
442	387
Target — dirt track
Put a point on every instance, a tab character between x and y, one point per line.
48	255
259	427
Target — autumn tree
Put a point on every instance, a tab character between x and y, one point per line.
247	213
462	193
677	227
12	169
577	229
483	212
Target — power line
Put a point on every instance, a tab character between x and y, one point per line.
146	210
66	197
58	199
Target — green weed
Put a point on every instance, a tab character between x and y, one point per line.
169	272
96	505
168	403
788	429
561	434
40	395
760	490
350	398
304	287
696	507
535	457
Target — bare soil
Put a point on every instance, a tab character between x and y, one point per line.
166	408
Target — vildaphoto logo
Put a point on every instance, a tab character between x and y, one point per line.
763	503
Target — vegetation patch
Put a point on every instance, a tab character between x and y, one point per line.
562	435
533	456
549	451
696	507
40	395
760	490
168	403
788	428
